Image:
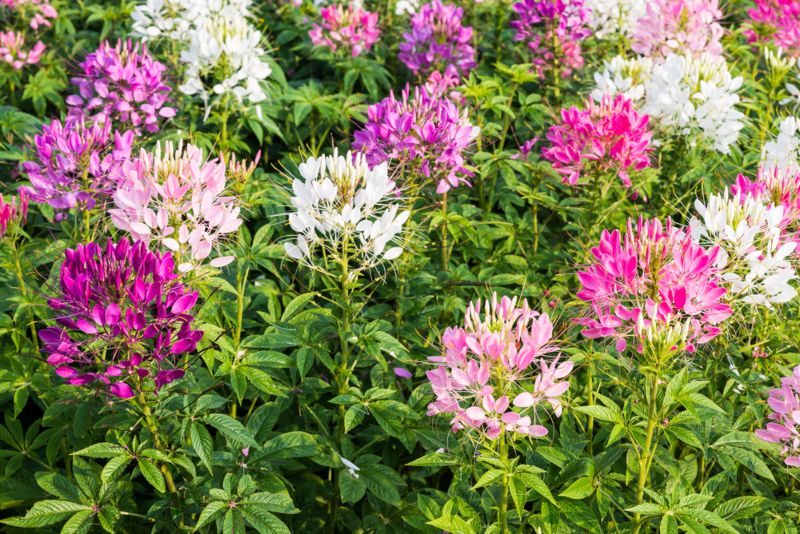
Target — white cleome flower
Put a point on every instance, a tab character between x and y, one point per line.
346	209
615	17
754	260
782	152
623	76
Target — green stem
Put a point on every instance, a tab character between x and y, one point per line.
445	258
646	459
152	426
24	290
590	402
503	512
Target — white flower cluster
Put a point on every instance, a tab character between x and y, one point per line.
753	258
615	17
219	46
694	97
782	152
343	207
406	6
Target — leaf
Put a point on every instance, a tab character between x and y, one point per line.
263	521
519	492
101	450
668	525
382	482
202	443
709	518
112	469
45	513
58	485
351	489
743	507
685	435
435	459
231	429
751	461
353	417
278	503
538	485
580	489
78	523
646	508
745	440
295	444
153	475
489	478
297	304
602	413
452	524
209	512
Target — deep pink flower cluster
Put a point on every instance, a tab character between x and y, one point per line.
652	276
679	26
426	133
122	84
14	52
785	417
609	136
14	211
779	187
489	365
778	22
436	40
349	28
76	163
122	317
552	30
40	11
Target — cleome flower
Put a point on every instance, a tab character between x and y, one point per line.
499	359
349	211
348	28
608	18
176	197
424	134
13	212
679	26
122	84
77	163
122	318
14	52
776	22
652	280
784	427
436	40
608	136
753	259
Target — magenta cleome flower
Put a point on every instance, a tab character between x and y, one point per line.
649	280
499	359
679	26
426	134
776	186
14	52
778	22
609	136
176	197
349	28
785	426
76	163
15	211
437	40
122	318
121	84
552	30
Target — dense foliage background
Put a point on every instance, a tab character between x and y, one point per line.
305	406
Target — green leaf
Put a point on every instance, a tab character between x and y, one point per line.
351	489
78	523
580	489
153	475
602	413
202	443
114	466
668	525
452	524
435	459
101	450
488	478
382	482
751	461
297	304
685	435
743	507
709	518
538	485
646	508
272	502
353	417
231	429
45	513
295	444
58	485
263	521
519	492
210	512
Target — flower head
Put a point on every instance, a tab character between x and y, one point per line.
778	22
609	136
614	17
122	84
437	39
14	51
122	318
679	26
784	427
349	28
176	197
425	133
14	211
653	281
347	209
76	163
552	30
499	358
38	13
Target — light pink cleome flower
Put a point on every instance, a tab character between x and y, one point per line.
785	426
39	11
609	136
176	197
679	26
498	359
13	211
14	52
650	278
349	28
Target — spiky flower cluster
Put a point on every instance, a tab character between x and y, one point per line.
776	22
15	211
122	318
694	97
13	50
785	426
499	358
347	210
177	198
350	29
76	164
753	259
606	137
174	19
614	17
783	151
424	134
436	40
38	13
653	281
775	186
552	30
679	26
122	84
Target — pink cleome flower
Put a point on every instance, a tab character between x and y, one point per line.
13	51
679	26
652	276
606	137
552	30
498	359
779	187
122	84
426	134
778	22
348	28
15	211
785	426
39	11
122	318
